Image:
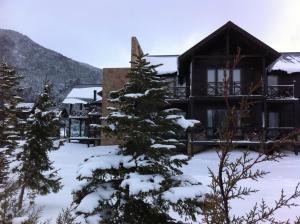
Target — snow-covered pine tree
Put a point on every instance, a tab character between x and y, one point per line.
140	181
36	171
9	89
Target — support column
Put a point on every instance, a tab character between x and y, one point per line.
295	137
80	126
69	131
189	144
264	78
265	109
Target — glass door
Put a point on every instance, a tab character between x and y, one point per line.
236	82
211	82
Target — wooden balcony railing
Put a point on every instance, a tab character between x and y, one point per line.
177	92
245	133
79	113
280	91
235	89
219	89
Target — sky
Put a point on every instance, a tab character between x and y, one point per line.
98	32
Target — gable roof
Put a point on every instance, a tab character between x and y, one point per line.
25	106
83	95
228	26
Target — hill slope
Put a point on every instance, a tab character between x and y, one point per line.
36	64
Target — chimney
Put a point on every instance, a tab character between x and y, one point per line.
136	49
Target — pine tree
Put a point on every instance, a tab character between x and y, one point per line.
36	171
9	89
140	181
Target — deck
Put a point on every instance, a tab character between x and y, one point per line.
86	140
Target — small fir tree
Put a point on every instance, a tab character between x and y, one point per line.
139	182
36	171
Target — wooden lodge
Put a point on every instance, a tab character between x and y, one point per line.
198	75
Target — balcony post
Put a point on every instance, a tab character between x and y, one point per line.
189	144
294	88
69	130
264	78
80	127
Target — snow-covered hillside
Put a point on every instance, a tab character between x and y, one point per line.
284	174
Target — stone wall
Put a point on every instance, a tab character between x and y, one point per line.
113	79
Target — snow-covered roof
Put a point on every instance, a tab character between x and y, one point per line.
169	63
287	62
82	95
25	107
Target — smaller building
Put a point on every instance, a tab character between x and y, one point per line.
83	107
24	109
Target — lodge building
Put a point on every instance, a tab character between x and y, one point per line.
197	78
82	108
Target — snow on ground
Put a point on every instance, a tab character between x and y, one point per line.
285	174
67	159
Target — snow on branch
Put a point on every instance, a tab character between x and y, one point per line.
134	95
141	183
109	161
175	194
183	122
162	146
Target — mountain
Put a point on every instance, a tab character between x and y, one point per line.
36	64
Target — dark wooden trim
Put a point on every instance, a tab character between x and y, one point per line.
69	131
80	127
281	100
221	98
228	26
227	43
228	56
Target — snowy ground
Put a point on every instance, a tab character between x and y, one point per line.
285	175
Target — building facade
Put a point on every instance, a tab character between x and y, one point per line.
250	69
83	106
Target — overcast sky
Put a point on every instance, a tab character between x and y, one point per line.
98	32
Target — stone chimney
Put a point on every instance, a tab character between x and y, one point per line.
136	49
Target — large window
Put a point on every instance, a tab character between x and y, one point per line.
272	80
216	79
216	118
236	82
273	119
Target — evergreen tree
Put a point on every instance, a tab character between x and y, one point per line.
141	180
9	89
36	171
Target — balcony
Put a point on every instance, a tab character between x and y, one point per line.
219	89
78	114
280	91
177	93
246	134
